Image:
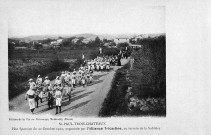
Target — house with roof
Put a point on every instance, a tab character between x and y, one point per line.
86	40
57	43
121	40
75	40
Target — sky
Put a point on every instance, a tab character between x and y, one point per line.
84	16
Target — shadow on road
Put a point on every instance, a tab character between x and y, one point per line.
98	76
44	110
67	102
74	93
76	106
95	82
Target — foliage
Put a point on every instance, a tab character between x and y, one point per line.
94	54
149	73
110	51
122	45
148	82
67	42
37	46
46	41
10	49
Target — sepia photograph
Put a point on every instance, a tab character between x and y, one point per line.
93	61
105	67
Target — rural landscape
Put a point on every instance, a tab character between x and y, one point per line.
136	87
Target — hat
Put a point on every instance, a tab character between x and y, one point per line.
30	79
38	76
46	77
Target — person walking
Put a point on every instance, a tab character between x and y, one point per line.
83	80
30	96
39	80
74	78
32	84
58	97
47	83
57	81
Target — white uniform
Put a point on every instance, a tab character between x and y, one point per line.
73	79
107	66
67	78
93	67
47	82
89	67
62	77
97	66
83	80
57	81
30	93
58	97
101	66
32	85
90	78
39	81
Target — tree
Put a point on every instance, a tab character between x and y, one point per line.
105	40
122	45
10	49
37	46
98	42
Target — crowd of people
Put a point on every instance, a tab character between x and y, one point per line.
64	83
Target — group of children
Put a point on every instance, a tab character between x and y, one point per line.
55	90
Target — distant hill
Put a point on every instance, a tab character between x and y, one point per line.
85	35
39	37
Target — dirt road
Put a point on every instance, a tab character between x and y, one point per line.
85	101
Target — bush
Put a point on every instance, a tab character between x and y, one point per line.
110	51
94	54
122	46
149	74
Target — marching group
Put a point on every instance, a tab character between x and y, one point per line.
64	84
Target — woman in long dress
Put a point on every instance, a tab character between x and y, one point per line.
30	95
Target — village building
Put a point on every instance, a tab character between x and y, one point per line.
57	43
86	41
75	40
121	40
46	46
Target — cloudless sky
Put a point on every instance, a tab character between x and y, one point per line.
84	16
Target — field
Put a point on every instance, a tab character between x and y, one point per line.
64	53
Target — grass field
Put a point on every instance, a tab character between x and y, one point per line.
64	53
